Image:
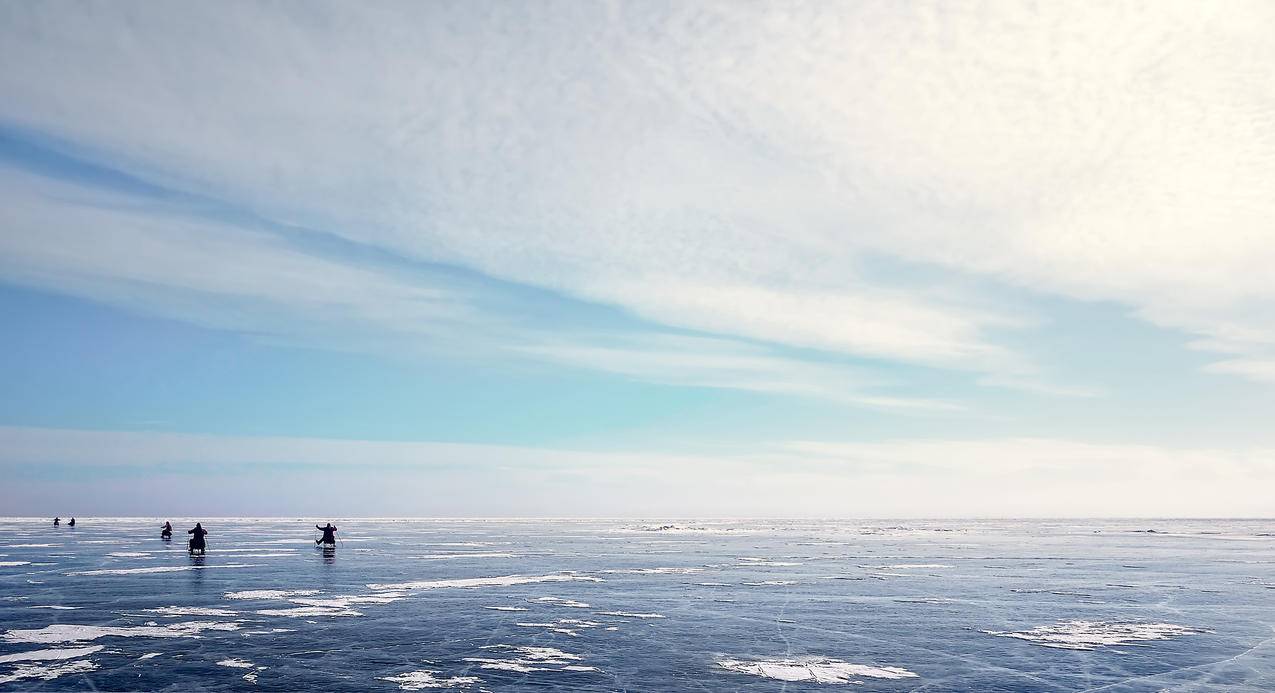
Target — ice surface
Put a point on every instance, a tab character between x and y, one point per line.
1035	607
813	669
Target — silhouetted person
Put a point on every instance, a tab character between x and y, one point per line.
329	535
197	541
167	531
57	521
71	523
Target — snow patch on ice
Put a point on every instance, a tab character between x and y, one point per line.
269	594
344	602
470	554
159	569
67	632
308	611
191	611
420	680
655	571
813	669
475	583
906	566
629	614
1090	635
48	673
50	654
560	601
236	663
528	659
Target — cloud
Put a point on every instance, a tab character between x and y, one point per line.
161	258
733	169
727	364
1014	477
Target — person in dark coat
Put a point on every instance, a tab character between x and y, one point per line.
167	531
57	521
329	535
197	541
71	523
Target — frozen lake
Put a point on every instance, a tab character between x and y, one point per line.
599	605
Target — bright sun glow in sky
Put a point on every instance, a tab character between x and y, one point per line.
638	258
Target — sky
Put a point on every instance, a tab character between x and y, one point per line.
637	259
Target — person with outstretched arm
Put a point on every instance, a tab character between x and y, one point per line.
197	541
57	521
329	535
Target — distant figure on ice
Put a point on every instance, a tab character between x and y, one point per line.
71	523
57	521
329	535
167	531
197	541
